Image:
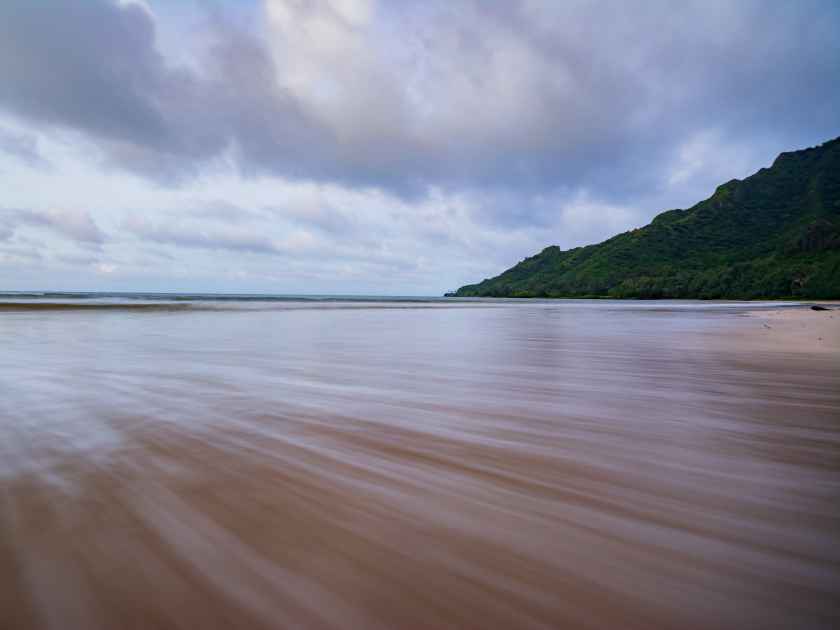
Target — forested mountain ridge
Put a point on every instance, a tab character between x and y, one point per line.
775	234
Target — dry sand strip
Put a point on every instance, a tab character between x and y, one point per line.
800	329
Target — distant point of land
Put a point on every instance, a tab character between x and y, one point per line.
775	234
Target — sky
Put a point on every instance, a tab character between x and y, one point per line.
390	147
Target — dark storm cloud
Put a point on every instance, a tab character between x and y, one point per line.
518	98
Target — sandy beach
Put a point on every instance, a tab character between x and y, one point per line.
799	330
517	466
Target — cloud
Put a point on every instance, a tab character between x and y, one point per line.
221	210
518	96
77	259
19	255
183	234
76	225
92	66
23	146
105	268
310	210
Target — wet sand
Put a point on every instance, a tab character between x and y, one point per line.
529	466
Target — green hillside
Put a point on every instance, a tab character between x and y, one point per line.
775	234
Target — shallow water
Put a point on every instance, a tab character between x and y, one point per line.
199	463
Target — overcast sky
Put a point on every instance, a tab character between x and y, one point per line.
392	147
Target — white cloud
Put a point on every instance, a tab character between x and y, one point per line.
106	268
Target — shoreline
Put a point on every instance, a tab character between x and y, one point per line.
793	330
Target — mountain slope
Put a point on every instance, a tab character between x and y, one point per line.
773	234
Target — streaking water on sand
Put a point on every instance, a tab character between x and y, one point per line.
231	461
